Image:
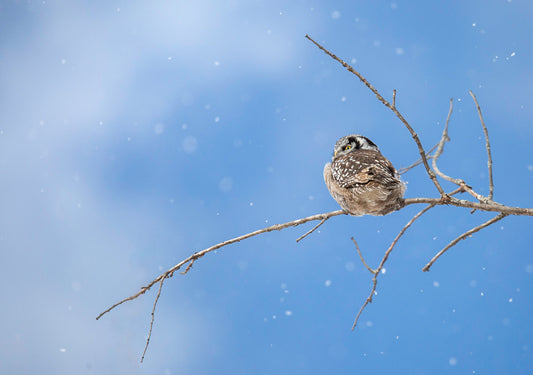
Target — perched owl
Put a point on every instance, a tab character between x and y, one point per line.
361	180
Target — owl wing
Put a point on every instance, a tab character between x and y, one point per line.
362	166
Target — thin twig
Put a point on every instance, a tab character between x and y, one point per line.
393	109
418	162
201	253
487	145
372	271
311	231
394	98
152	320
189	266
385	257
440	148
463	237
490	207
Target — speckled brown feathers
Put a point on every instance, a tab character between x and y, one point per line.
361	180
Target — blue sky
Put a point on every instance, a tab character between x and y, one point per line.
133	133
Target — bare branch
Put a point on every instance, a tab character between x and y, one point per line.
463	237
201	253
373	272
490	207
152	320
445	138
393	109
487	145
418	162
394	98
311	231
385	257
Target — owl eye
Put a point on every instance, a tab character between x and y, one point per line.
348	147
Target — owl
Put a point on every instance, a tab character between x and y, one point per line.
361	180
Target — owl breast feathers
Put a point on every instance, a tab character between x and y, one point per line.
364	182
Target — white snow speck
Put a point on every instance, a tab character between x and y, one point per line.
513	54
474	24
350	266
399	51
369	323
217	119
63	61
190	144
184	126
216	63
335	15
452	361
169	58
62	350
274	317
251	204
482	294
327	283
159	128
510	300
226	184
530	168
343	99
506	321
353	60
383	270
436	284
288	313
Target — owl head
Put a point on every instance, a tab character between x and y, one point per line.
352	143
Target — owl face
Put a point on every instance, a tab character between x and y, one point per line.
351	143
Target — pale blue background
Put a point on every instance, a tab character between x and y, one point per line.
133	133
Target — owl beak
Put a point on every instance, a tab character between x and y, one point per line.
335	154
